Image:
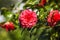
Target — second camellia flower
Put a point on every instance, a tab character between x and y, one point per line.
28	18
8	26
53	17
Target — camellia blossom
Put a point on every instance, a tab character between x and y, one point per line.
53	17
28	18
9	26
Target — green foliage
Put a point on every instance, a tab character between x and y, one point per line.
40	31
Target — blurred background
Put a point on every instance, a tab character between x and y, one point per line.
4	35
8	3
9	11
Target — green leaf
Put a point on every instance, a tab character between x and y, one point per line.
8	14
32	2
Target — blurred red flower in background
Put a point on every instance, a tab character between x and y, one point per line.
28	18
9	26
53	17
42	3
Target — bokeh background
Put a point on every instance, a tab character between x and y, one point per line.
9	11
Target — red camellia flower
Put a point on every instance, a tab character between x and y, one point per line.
28	18
53	17
9	26
42	3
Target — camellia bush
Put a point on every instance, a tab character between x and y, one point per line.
35	20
